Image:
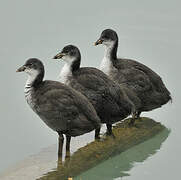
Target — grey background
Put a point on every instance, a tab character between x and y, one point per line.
149	31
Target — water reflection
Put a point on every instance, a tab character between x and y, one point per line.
46	162
120	165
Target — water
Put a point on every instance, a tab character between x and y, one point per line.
120	165
148	32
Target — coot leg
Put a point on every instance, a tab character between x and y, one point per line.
134	117
138	114
60	144
132	121
97	134
109	130
68	138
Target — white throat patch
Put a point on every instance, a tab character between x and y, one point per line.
106	64
66	70
32	74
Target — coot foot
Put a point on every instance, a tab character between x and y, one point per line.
60	144
109	131
97	134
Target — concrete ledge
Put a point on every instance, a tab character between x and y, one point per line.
98	151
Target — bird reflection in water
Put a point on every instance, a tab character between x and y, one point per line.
115	167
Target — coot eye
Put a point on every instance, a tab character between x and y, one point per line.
71	53
105	37
65	51
30	64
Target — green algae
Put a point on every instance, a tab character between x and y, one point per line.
121	164
98	151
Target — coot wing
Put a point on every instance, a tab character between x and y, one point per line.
62	108
135	79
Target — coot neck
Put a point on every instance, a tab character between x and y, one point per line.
33	81
75	64
68	69
111	52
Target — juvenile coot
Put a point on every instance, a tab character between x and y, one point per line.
63	109
108	98
141	79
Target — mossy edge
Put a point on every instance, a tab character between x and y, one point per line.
98	151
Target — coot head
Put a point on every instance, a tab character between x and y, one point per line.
32	66
69	54
108	37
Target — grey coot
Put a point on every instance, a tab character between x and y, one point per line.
147	84
108	98
63	109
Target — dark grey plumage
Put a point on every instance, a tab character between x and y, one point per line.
147	84
108	98
63	109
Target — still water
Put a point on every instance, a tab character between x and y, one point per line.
148	32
